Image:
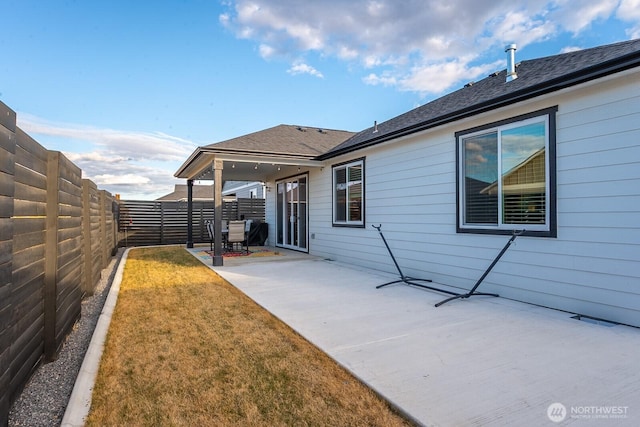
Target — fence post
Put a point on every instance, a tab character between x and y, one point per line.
103	229
87	286
115	215
51	255
161	222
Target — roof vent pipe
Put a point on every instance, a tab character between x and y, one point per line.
511	62
375	126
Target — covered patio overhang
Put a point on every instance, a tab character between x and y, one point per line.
221	165
241	166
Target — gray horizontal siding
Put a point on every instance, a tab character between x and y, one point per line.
592	267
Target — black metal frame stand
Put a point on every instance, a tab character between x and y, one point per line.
473	292
406	279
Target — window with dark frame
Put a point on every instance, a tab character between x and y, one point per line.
348	194
506	176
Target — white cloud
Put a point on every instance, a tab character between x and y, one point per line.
568	49
406	43
133	164
150	146
436	78
266	51
521	28
629	11
126	179
131	179
224	19
384	80
346	52
302	68
95	157
577	15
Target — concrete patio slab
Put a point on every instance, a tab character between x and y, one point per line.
478	361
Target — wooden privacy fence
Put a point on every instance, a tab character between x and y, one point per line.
145	223
57	232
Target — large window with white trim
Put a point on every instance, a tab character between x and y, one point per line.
348	194
506	176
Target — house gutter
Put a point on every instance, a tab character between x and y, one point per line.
591	73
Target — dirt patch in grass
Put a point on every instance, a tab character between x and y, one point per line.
187	348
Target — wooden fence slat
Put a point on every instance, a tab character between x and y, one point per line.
29	153
43	228
6	181
7	117
29	208
7	189
144	223
30	177
29	159
42	245
26	276
7	143
28	240
28	192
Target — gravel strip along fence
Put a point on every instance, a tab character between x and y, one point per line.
45	397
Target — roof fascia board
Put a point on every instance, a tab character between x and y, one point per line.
182	170
193	165
231	151
589	74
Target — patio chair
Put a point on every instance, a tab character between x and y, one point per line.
236	234
247	229
224	226
210	232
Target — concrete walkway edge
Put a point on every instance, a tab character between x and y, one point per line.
80	400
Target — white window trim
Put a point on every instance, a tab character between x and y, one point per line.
346	222
462	199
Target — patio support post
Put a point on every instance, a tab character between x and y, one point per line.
217	212
189	213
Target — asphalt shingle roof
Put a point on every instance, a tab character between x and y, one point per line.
180	193
286	139
535	77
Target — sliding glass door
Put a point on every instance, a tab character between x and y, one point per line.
292	213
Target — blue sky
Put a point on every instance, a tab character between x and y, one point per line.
128	89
